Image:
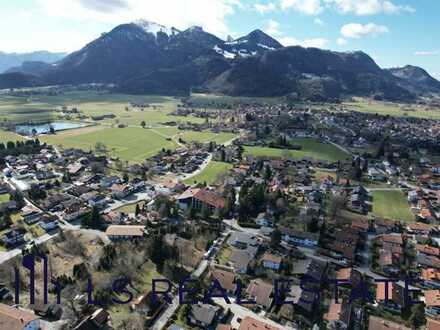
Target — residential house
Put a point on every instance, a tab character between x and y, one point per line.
148	307
428	250
120	191
264	220
114	217
261	292
419	228
349	275
395	295
49	223
299	238
223	327
97	320
13	237
98	201
250	323
225	278
384	226
432	324
203	315
127	232
271	261
432	302
338	316
430	277
109	181
241	260
428	261
200	197
376	174
12	318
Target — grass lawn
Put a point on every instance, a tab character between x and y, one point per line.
310	148
130	208
391	205
223	255
4	198
321	175
206	136
393	109
6	136
131	143
210	173
215	101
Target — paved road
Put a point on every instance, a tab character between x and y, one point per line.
234	225
131	199
205	163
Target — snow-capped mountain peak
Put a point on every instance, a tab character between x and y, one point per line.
154	28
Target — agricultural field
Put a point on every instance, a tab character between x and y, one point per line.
22	109
391	205
206	136
392	109
131	143
220	101
210	173
6	136
42	108
310	148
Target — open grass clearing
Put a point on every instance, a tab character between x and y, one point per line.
130	143
224	254
6	136
215	101
311	148
393	109
43	108
206	136
4	198
130	208
391	205
210	173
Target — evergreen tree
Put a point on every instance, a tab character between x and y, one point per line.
275	239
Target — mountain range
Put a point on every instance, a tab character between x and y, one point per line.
10	60
148	58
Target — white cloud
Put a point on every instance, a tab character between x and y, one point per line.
315	42
273	28
308	7
265	8
180	14
319	22
356	30
357	7
427	52
369	7
341	41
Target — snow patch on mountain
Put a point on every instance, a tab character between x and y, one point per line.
155	28
265	47
225	53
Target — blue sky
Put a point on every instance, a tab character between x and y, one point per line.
393	32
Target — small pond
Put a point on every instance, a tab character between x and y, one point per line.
45	128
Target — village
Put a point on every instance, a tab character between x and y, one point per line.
309	193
